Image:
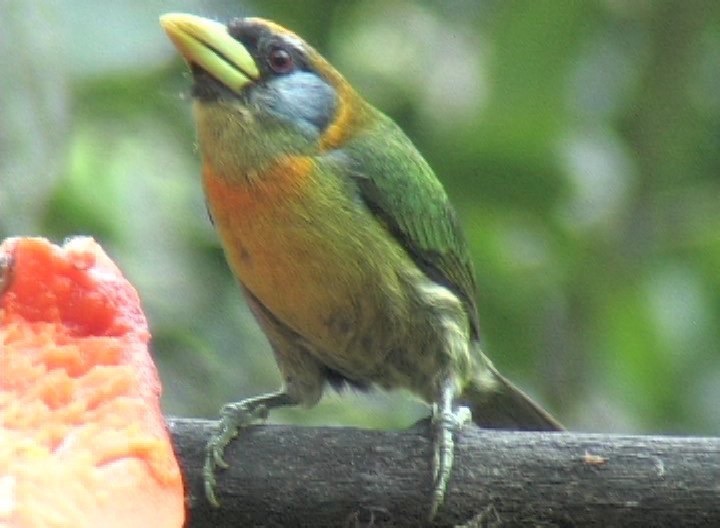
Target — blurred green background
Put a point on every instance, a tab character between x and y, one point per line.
579	140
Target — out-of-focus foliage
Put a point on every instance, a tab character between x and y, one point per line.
580	141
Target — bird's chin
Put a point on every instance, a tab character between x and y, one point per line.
207	88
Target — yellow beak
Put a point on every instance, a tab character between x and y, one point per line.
207	44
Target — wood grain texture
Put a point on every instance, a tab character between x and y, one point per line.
332	476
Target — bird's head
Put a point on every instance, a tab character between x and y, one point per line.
261	92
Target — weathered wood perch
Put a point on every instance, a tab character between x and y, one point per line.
327	476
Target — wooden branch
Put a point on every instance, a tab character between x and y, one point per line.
326	476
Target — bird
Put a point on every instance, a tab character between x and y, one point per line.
343	240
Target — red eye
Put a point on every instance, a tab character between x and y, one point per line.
280	60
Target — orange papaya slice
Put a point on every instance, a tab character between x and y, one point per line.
83	442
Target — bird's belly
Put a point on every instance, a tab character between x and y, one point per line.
337	301
334	277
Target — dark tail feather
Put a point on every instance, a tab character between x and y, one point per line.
496	403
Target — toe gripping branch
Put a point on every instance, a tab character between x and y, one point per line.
233	417
447	421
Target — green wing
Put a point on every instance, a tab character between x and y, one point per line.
400	188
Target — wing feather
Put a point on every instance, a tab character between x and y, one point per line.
401	190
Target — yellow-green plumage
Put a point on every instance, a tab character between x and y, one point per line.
326	266
342	237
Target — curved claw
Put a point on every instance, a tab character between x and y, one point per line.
215	450
213	458
210	482
233	417
447	423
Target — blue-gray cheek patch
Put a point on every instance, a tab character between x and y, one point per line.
302	98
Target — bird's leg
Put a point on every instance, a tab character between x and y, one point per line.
446	421
234	416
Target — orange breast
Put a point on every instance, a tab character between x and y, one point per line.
293	237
